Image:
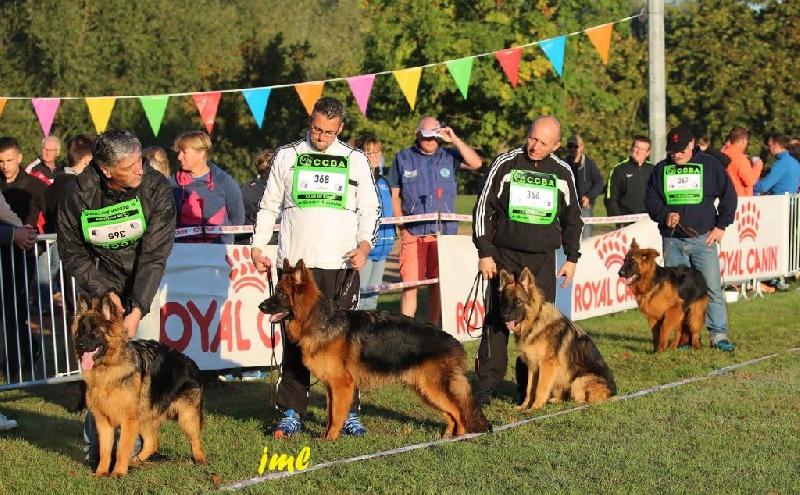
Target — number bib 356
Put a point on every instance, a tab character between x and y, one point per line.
320	181
114	227
532	197
683	184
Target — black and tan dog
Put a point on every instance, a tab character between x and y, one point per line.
671	298
563	362
133	385
346	349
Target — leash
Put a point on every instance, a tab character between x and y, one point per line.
479	284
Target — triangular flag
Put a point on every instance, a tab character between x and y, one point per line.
361	86
100	111
461	70
154	107
257	100
46	109
3	104
309	93
554	49
601	38
207	104
509	61
409	83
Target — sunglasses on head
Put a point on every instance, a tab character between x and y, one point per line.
572	146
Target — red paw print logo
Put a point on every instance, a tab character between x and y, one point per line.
748	217
612	248
243	271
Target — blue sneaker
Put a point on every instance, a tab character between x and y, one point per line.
724	346
353	426
288	425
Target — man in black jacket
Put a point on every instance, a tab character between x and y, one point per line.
588	179
512	232
627	181
116	227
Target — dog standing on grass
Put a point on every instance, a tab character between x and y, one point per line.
133	385
671	298
346	349
563	362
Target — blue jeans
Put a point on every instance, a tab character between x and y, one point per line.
371	274
694	252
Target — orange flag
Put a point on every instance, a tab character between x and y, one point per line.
309	93
2	104
601	39
207	104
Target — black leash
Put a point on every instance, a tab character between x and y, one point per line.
479	286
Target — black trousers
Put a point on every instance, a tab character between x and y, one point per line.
342	286
492	360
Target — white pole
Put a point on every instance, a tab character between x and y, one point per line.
658	93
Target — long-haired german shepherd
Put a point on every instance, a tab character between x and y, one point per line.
346	349
563	362
671	298
134	385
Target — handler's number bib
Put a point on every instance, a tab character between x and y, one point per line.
320	181
114	227
532	197
683	184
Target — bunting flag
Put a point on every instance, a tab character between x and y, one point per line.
309	93
207	104
461	70
554	49
408	79
361	87
2	105
509	61
257	100
154	107
100	111
46	109
601	39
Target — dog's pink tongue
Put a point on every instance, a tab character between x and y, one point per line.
87	360
276	317
511	325
630	280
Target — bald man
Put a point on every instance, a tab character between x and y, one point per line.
528	209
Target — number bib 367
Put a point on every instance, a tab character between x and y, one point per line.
532	197
114	227
320	181
683	184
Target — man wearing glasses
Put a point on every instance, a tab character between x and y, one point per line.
326	196
588	178
422	180
628	180
680	198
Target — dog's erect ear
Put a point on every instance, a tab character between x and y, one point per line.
299	272
82	304
526	279
107	308
505	278
634	244
287	267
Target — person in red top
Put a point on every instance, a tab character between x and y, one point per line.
743	174
44	167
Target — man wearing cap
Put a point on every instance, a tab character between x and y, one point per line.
680	198
588	179
422	180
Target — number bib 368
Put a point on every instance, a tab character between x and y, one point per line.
683	184
320	181
532	197
114	227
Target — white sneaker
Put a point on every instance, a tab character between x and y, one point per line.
7	424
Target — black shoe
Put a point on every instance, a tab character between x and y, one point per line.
519	399
483	398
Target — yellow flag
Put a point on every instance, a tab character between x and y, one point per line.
408	79
309	93
601	39
100	110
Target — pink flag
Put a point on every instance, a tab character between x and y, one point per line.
46	109
361	86
509	60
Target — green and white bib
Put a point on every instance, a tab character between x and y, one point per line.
683	184
114	227
321	181
532	197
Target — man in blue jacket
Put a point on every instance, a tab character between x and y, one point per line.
680	198
784	176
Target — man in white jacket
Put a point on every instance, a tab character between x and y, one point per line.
325	193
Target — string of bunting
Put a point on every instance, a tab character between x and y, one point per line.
207	103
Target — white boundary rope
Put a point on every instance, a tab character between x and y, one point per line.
409	448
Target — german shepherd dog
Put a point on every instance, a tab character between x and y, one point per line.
346	349
563	362
134	385
671	298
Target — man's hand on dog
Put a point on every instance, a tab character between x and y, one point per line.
487	267
262	263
